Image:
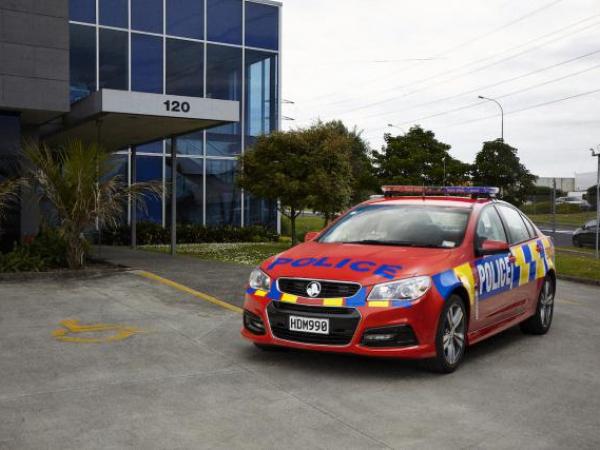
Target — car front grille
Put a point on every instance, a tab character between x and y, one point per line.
329	289
342	323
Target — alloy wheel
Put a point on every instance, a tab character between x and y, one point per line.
454	334
546	304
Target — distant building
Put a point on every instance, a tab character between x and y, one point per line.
562	183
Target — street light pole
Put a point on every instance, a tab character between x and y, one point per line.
596	154
501	114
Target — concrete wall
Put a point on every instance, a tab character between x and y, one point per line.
562	184
34	58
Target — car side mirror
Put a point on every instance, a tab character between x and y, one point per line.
311	236
490	247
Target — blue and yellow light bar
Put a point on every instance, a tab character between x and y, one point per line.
465	191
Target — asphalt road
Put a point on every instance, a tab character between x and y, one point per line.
176	374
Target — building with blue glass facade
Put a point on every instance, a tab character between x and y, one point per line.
142	76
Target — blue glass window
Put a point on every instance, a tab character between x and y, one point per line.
190	144
224	81
152	147
185	18
262	26
261	94
114	57
146	63
260	212
147	15
190	190
185	63
82	10
114	13
222	196
149	168
225	21
223	72
82	61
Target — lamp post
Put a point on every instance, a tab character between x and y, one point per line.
501	113
596	154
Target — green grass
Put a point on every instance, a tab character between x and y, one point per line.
304	224
250	254
581	266
571	220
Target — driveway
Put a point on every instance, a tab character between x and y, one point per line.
122	361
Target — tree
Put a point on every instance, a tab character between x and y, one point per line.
497	164
364	181
278	167
591	197
331	182
77	180
418	158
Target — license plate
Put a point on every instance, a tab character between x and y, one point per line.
309	325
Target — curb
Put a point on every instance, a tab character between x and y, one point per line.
579	280
63	274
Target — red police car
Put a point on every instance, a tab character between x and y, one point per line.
417	273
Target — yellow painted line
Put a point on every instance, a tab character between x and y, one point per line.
187	290
71	327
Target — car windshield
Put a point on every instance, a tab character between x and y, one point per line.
401	225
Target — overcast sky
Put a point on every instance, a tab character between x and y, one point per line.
374	62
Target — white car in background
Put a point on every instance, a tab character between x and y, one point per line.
579	201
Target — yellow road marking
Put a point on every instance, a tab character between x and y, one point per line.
187	290
73	327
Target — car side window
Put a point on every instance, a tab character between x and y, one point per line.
489	226
590	224
529	225
515	224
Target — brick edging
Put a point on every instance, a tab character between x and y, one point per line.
579	280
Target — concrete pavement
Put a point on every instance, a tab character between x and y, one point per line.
187	380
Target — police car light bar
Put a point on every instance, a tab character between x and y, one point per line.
466	191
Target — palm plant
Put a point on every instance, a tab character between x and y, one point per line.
8	193
77	179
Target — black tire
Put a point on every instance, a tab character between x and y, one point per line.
541	321
577	242
449	335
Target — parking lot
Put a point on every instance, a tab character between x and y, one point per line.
122	361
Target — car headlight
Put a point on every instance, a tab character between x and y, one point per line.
408	289
259	280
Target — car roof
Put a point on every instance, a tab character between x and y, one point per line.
461	202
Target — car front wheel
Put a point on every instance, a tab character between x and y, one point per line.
451	336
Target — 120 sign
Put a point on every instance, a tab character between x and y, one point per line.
177	106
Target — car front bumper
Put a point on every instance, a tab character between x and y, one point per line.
352	330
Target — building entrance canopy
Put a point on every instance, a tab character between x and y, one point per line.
119	119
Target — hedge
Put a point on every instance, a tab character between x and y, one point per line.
154	234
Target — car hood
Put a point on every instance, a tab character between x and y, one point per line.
366	264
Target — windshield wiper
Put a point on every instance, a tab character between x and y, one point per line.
392	243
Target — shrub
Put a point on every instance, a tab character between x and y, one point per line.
546	208
154	234
47	251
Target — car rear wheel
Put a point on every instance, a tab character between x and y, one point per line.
576	242
450	340
540	322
